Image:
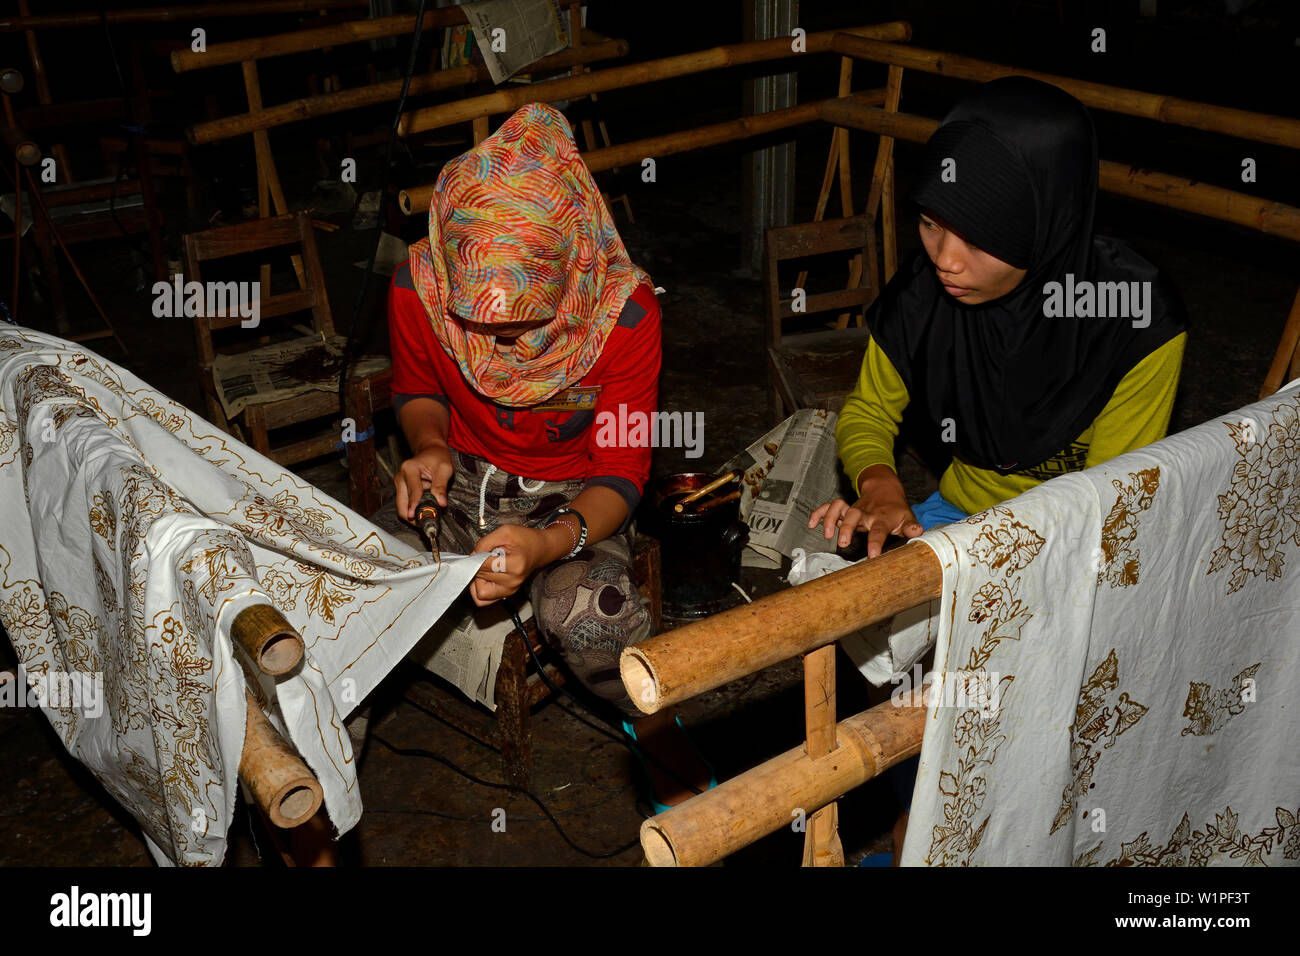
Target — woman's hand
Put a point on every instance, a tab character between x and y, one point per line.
432	467
526	550
881	511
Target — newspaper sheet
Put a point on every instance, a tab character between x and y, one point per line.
788	472
464	648
513	34
280	371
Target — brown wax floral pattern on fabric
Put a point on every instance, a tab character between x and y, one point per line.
1098	723
158	675
1261	508
1215	842
1120	560
1207	711
1005	546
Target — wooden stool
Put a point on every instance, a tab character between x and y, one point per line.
519	687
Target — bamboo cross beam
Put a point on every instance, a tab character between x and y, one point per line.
1173	192
1260	127
269	640
312	106
703	655
416	199
25	149
203	11
317	38
714	824
281	784
686	64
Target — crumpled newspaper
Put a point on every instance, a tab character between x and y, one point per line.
885	651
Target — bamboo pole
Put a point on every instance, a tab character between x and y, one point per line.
570	87
1173	192
885	148
697	657
43	92
269	190
316	38
416	199
835	161
718	822
281	784
888	226
1287	354
204	11
1260	127
267	638
327	103
25	149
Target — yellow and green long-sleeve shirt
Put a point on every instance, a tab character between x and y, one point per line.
1136	415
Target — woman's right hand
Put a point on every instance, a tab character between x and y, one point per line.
431	467
881	511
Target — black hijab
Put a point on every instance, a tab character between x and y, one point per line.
1020	386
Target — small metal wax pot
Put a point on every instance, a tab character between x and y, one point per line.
700	547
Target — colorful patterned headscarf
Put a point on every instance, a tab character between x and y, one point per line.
519	232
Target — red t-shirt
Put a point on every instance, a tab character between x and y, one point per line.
538	442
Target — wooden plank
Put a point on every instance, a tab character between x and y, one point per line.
821	838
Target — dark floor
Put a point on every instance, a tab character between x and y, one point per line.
1238	287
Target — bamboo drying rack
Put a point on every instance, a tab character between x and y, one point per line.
836	757
258	119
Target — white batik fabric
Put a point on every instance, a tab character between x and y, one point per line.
885	651
132	532
1118	662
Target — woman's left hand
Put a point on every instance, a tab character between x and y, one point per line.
526	550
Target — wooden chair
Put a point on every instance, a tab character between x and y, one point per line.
816	369
259	419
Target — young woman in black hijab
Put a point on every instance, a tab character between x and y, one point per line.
1001	336
1027	343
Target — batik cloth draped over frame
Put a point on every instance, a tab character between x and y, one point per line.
519	232
1119	649
131	534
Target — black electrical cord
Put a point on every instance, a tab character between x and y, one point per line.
450	765
359	330
621	736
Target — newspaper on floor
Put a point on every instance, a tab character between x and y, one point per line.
513	34
464	648
284	370
788	472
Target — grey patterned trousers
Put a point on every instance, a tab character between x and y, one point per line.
586	607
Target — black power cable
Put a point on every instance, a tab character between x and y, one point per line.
621	736
450	765
359	330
